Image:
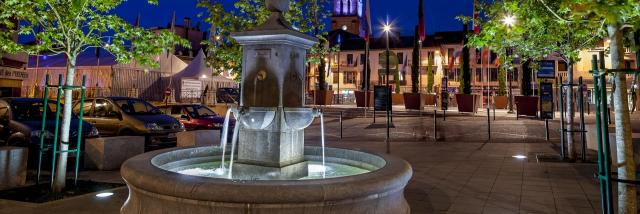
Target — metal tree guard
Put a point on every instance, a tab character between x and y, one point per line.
55	152
602	133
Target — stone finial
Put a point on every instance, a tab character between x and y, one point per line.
278	5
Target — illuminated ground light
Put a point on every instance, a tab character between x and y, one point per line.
519	156
104	194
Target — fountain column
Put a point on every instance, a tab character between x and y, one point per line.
273	83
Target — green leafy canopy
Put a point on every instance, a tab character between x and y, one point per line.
72	26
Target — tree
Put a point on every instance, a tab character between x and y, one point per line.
502	82
415	66
536	34
225	53
465	81
430	73
71	27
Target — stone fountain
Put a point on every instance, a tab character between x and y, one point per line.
272	171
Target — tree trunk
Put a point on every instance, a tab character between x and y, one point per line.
61	169
571	147
627	199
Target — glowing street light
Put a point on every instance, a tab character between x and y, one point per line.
386	28
509	20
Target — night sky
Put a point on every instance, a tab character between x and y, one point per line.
439	14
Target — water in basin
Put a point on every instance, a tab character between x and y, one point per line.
315	170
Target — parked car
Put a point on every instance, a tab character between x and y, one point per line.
21	123
122	116
227	95
196	116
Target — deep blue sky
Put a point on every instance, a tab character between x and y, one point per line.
439	14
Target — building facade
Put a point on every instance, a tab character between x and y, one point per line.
12	71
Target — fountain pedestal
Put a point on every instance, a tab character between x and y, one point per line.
273	80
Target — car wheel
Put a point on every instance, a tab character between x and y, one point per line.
126	132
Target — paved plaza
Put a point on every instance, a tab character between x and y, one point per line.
461	172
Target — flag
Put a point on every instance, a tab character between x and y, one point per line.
137	22
365	27
421	27
173	23
476	17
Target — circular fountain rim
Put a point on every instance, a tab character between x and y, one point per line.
139	172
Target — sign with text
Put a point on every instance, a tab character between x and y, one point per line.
547	69
381	98
546	100
13	73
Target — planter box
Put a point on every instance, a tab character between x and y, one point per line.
501	102
430	99
324	97
198	138
13	162
109	153
413	101
397	99
467	102
526	105
360	98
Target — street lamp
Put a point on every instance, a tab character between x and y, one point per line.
509	21
387	29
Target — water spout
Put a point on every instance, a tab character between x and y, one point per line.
234	141
324	167
223	141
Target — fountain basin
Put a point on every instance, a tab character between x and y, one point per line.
153	189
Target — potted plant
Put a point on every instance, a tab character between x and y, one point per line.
322	96
526	104
430	97
414	100
467	102
500	100
365	96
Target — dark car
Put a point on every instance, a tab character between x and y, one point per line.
227	95
21	122
118	116
196	117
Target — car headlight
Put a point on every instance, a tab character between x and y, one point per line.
180	125
94	132
37	133
152	126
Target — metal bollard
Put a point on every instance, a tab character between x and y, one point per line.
546	127
435	125
582	126
341	125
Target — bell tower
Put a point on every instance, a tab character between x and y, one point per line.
347	14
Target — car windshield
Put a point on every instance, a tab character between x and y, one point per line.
200	111
32	110
137	107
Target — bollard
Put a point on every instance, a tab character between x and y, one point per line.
444	115
582	126
341	125
561	120
494	109
488	122
435	125
546	127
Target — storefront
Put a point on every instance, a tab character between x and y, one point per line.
11	81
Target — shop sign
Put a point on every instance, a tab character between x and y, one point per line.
13	73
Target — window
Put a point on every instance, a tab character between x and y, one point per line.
27	110
450	55
400	58
478	56
516	74
199	111
104	109
350	59
136	107
86	109
478	75
349	77
562	66
4	111
336	77
494	74
363	58
176	110
430	58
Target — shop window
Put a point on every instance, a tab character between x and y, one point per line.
349	77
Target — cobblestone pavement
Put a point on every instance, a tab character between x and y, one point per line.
462	172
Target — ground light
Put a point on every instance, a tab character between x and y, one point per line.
519	156
104	194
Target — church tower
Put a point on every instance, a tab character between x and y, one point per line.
347	14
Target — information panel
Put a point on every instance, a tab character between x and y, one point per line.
381	98
546	100
547	69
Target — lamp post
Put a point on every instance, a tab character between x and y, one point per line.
387	29
509	21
